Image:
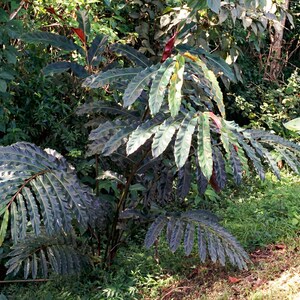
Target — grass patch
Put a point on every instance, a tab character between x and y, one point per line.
264	213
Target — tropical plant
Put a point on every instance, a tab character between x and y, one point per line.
164	128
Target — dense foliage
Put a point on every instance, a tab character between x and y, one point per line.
155	105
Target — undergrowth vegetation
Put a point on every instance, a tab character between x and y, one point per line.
263	214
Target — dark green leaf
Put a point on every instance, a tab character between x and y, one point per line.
137	84
83	20
201	245
14	222
116	141
23	216
202	181
34	266
290	159
176	236
236	166
44	266
56	68
32	210
220	251
219	168
184	180
26	267
255	160
136	57
96	49
265	136
3	86
53	39
170	227
155	230
189	238
110	76
263	152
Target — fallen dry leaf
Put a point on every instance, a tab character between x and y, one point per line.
233	279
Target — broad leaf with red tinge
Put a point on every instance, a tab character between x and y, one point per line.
79	32
169	47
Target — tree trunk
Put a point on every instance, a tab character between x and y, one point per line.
274	62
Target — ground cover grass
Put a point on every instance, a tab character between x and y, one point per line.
264	216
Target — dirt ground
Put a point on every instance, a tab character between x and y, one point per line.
274	274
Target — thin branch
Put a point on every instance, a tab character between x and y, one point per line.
25	280
14	14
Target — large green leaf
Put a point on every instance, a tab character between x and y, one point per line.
137	84
214	5
159	85
53	39
110	76
216	90
141	135
63	66
96	49
216	63
184	139
117	140
105	138
107	107
293	125
163	137
204	146
176	82
135	56
83	20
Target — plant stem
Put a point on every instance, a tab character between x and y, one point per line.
113	242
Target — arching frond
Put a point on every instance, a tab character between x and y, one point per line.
39	188
39	256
